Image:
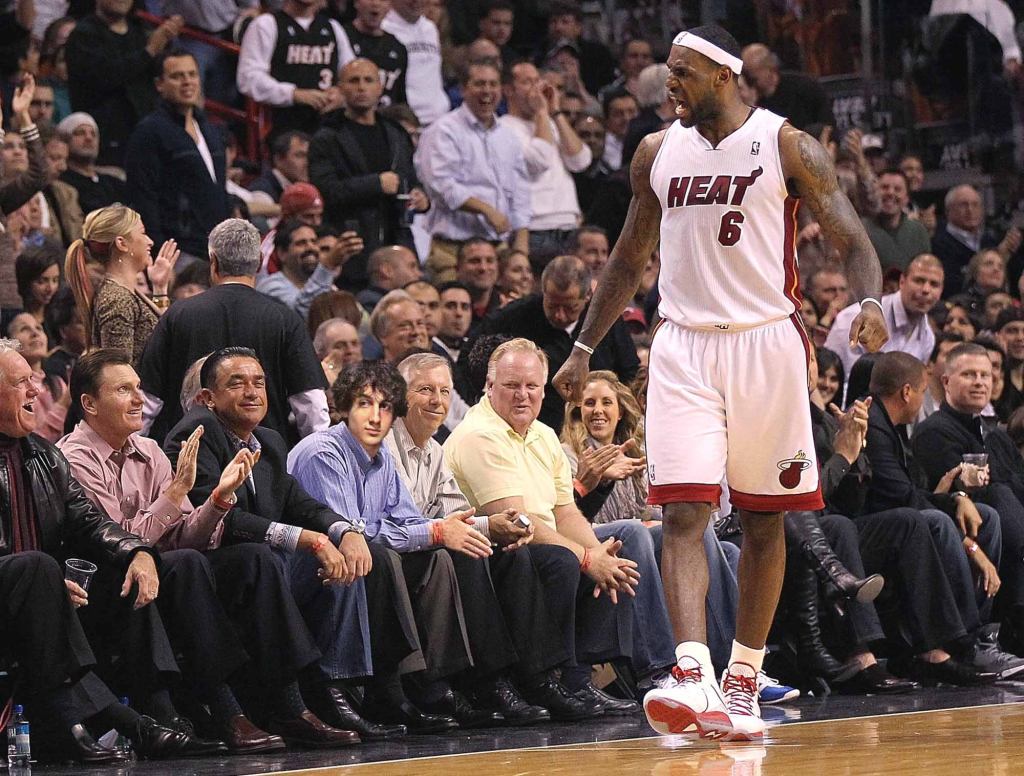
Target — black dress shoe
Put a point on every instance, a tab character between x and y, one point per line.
196	746
502	697
951	671
308	730
562	704
454	704
875	680
82	747
612	707
333	707
404	713
156	741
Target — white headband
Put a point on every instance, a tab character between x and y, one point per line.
710	50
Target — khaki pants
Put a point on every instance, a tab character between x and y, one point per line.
442	260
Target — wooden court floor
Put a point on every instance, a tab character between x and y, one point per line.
986	740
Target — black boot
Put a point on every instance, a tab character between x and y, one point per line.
801	597
804	530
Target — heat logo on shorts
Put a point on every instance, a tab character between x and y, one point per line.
792	469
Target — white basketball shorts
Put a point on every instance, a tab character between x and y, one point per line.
732	403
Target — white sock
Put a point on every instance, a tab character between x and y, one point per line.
697	651
752	657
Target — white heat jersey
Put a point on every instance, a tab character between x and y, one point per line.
728	227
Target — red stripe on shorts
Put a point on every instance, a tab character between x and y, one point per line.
684	492
789	261
783	503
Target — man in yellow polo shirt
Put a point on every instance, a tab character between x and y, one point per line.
504	458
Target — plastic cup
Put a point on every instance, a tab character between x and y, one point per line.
976	459
79	571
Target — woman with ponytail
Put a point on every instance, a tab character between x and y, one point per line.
103	270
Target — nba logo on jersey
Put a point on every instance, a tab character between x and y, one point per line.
755	148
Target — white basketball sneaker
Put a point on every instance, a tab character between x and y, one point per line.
688	701
739	686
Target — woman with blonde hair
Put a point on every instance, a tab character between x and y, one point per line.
604	438
103	270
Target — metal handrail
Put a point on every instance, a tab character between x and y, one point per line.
254	115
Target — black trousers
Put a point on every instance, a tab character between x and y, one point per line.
1011	522
521	594
593	630
135	646
917	606
394	640
861	625
40	630
253	591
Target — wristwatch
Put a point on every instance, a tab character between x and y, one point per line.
356	527
956	493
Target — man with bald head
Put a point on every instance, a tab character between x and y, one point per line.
796	96
964	234
906	314
390	267
362	165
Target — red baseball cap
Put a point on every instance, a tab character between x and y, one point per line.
299	197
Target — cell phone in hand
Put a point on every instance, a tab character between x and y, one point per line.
350	225
522	521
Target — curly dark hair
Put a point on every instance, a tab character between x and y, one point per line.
375	375
475	368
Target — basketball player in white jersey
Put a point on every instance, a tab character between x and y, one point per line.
728	366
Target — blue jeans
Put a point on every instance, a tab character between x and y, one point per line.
653	643
336	615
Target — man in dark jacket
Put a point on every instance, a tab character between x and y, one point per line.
44	516
362	165
110	70
945	437
274	509
175	161
552	319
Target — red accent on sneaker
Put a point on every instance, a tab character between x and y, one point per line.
687	674
740	692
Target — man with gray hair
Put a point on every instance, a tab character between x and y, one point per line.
233	313
657	110
397	323
552	319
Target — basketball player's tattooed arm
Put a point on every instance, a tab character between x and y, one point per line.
621	277
809	171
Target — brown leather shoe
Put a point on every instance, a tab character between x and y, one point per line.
243	737
309	731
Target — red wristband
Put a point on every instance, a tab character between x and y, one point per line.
318	545
221	504
437	532
585	563
580	488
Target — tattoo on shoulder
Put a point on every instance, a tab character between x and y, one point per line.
813	157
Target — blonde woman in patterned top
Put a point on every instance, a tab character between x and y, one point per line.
103	269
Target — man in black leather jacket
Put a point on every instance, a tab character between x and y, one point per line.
45	516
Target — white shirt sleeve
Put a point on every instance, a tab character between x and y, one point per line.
254	79
310	410
345	52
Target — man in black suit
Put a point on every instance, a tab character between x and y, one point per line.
234	313
898	385
44	516
941	441
362	165
552	319
794	95
289	158
274	509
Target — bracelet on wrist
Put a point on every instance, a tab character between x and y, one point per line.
223	504
319	544
585	348
437	532
585	562
580	488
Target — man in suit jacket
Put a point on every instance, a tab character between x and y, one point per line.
552	319
273	508
289	156
362	165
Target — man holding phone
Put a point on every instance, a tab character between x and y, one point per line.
362	165
553	151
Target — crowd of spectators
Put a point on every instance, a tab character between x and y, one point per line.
300	412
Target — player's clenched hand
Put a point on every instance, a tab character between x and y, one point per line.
868	329
572	377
